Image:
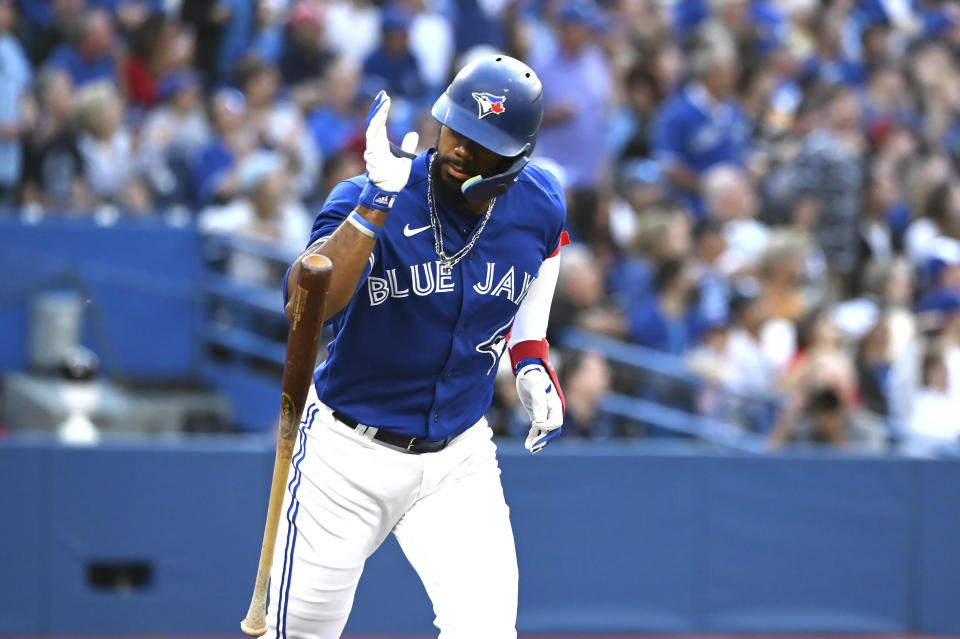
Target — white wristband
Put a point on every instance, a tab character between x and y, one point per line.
367	228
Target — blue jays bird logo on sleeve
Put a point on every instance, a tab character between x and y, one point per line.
494	345
489	103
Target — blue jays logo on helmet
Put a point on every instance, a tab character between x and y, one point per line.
489	103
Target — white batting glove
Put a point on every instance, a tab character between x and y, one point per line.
388	169
539	397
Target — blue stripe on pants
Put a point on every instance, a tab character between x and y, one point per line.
292	510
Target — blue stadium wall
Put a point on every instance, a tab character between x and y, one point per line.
610	539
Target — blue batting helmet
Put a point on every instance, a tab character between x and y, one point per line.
496	101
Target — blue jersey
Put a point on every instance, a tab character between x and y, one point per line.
697	132
416	350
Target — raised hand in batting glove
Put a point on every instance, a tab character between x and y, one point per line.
388	168
540	397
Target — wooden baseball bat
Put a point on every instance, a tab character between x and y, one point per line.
302	342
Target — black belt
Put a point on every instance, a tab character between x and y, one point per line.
402	442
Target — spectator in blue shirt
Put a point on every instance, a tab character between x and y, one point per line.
237	19
577	89
828	65
90	57
667	322
630	131
335	124
392	65
702	125
215	170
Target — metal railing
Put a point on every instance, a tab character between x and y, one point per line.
658	394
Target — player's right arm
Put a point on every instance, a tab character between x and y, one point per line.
350	250
350	245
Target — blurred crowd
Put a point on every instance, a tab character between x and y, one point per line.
764	190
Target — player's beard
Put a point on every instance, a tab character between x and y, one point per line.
446	189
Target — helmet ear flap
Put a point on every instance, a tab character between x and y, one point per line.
481	189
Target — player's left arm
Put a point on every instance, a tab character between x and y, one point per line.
537	385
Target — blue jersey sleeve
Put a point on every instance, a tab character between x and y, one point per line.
341	201
557	203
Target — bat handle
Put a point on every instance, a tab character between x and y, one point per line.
255	623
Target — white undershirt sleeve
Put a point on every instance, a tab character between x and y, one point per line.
534	312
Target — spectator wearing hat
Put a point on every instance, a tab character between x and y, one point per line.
304	57
89	57
702	125
15	80
172	135
392	66
578	92
640	189
940	272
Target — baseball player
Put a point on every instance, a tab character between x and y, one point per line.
440	262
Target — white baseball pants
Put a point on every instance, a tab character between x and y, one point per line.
345	493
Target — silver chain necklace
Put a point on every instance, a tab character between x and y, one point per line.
447	262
